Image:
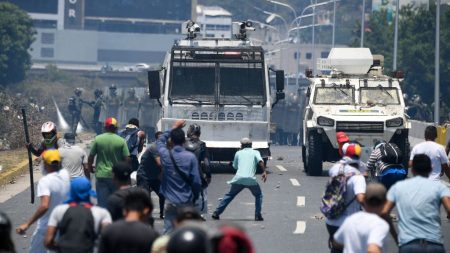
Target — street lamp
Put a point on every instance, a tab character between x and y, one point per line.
272	16
436	63
397	14
285	5
263	25
362	22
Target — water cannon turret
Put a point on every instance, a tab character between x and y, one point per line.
240	29
191	29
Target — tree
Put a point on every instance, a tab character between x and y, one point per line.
16	35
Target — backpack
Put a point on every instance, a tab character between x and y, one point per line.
77	229
131	137
333	200
391	154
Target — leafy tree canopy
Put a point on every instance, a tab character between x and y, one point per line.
16	36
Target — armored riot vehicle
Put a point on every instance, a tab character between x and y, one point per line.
220	84
354	96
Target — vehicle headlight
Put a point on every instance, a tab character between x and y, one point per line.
394	122
324	121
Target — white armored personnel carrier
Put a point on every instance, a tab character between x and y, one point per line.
220	84
354	96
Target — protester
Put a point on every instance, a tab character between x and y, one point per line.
418	201
109	149
355	188
198	147
189	239
149	173
77	222
6	242
73	157
230	238
135	139
184	214
245	162
52	190
121	177
51	139
365	231
436	153
385	162
342	138
132	234
180	182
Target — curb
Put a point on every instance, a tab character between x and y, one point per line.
11	174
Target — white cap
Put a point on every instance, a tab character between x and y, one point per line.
246	140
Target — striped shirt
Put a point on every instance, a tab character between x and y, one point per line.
375	165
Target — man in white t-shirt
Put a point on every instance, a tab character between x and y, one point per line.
436	153
356	187
52	189
73	157
365	231
77	222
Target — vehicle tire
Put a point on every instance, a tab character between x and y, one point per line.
314	154
402	142
305	167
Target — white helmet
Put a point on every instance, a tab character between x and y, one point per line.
48	131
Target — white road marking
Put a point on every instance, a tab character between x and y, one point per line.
294	182
301	227
300	201
281	168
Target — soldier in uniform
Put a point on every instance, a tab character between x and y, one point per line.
130	106
149	115
75	106
97	105
112	104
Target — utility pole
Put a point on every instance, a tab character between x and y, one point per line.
397	14
363	17
436	64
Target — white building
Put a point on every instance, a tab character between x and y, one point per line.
215	22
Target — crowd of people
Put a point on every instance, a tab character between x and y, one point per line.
117	216
358	200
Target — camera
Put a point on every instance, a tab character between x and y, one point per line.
190	28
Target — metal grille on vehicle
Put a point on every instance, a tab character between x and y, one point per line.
361	127
239	116
204	116
195	115
212	116
230	116
221	116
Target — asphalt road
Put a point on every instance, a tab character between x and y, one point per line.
293	222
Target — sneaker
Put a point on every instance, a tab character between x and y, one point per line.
215	216
259	217
161	216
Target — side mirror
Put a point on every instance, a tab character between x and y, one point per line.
280	79
154	85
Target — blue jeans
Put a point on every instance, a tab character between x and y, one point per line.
421	246
235	190
105	187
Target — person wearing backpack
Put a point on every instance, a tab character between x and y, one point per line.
77	222
344	192
385	163
198	147
135	138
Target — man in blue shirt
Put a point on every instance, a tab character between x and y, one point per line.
418	202
181	186
245	162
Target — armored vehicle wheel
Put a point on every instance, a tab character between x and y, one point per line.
304	158
314	154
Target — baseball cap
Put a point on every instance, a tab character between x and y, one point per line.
246	140
110	122
375	193
80	190
342	137
51	155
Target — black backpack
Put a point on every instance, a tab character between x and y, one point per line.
391	154
131	137
77	230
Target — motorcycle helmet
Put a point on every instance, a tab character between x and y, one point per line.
189	239
48	131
